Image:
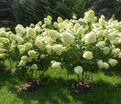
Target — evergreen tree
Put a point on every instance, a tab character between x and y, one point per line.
105	7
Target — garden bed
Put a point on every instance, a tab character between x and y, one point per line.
32	85
80	87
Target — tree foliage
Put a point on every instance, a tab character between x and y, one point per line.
105	7
31	11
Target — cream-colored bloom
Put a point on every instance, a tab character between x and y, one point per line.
3	33
39	44
30	32
39	23
28	46
113	62
44	26
115	52
55	24
55	65
13	37
90	38
76	26
13	46
68	38
119	55
20	29
106	50
22	50
88	55
49	49
47	21
112	35
22	63
20	46
19	39
61	27
4	40
101	44
32	53
24	58
105	65
78	70
119	40
58	48
49	17
60	20
100	64
34	67
2	55
53	34
48	40
89	16
102	20
37	28
42	56
80	30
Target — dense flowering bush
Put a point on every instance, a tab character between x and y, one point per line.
78	45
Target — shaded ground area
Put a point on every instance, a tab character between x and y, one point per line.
56	91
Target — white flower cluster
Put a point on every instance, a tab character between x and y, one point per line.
4	42
55	65
89	16
102	65
62	41
88	55
105	65
78	70
90	38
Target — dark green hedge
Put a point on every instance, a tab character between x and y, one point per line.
32	11
105	7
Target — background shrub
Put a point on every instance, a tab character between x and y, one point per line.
105	7
6	14
31	11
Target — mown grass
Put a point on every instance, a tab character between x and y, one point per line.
56	92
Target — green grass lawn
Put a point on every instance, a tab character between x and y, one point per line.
56	92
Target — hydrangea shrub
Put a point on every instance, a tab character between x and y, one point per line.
78	45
